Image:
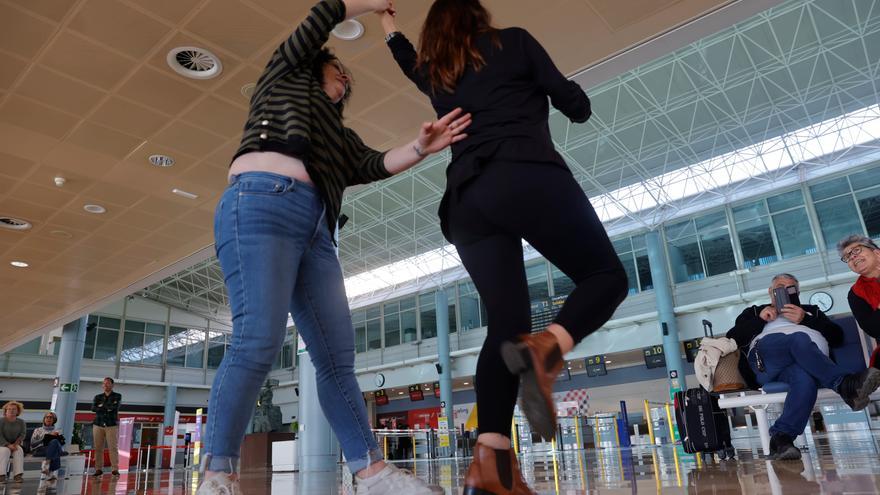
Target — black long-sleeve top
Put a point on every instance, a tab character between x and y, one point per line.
865	314
508	100
106	408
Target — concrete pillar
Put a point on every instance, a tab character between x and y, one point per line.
73	342
442	305
666	313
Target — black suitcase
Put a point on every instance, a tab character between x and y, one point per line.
702	425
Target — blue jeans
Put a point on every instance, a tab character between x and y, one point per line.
278	256
795	360
52	453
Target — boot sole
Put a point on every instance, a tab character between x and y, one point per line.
790	454
472	490
518	361
871	383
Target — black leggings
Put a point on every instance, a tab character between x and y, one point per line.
543	204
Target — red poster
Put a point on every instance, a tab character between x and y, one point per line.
423	418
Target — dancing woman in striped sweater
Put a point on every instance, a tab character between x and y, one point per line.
274	233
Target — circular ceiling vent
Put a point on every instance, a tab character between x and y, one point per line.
163	161
349	30
10	223
194	62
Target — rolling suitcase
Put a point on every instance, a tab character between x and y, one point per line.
702	425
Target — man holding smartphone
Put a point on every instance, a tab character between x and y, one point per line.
786	341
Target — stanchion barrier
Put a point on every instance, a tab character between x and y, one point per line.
650	422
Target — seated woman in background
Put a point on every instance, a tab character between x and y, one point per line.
862	256
46	442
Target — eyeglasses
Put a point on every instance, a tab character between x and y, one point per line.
852	252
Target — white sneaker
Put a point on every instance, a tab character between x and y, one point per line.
219	485
44	468
52	476
393	480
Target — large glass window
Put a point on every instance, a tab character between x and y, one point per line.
866	185
186	347
374	328
791	224
143	342
428	315
836	209
755	237
101	340
700	247
536	275
359	320
562	285
633	254
392	324
408	324
217	345
471	316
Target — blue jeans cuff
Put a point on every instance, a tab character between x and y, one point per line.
222	464
359	464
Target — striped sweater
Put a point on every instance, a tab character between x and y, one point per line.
291	114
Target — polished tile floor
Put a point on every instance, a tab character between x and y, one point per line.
834	463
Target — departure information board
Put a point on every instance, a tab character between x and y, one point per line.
654	357
596	366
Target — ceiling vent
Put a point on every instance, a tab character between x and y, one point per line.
194	62
163	161
10	223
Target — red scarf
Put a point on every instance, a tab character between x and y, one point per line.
869	290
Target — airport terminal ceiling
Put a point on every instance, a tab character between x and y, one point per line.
89	96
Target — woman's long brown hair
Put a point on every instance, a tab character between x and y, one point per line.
447	44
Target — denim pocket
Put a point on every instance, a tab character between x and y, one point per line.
266	186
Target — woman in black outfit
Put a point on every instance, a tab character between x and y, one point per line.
506	183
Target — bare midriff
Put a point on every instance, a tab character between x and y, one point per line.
270	161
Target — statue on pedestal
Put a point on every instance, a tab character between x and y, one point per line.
267	417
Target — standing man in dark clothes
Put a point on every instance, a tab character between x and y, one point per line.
791	345
106	408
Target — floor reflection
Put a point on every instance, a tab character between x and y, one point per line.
835	463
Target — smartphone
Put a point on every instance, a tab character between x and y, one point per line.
780	298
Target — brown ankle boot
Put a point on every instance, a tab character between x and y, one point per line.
537	358
494	472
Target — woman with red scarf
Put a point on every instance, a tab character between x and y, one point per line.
862	256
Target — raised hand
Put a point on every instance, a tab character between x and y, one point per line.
434	136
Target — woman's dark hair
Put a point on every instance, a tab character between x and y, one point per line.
447	45
324	57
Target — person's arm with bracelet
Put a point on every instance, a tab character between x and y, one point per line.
433	137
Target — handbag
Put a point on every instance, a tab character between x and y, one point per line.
727	377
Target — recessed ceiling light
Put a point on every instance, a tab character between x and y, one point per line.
96	209
248	90
185	194
399	393
19	264
61	233
349	30
466	383
163	161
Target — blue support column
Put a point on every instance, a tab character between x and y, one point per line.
665	311
442	304
317	446
73	342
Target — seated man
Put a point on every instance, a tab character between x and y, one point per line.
791	346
